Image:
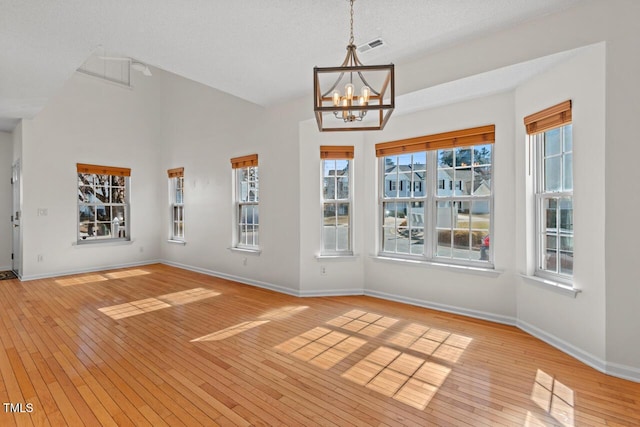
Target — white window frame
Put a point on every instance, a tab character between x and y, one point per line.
176	214
541	196
324	251
246	195
429	212
119	224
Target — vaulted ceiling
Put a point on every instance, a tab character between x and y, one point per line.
260	50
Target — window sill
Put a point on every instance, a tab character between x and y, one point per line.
246	251
105	242
336	257
561	288
479	271
177	242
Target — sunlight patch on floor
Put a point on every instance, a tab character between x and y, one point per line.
88	278
554	398
231	331
133	308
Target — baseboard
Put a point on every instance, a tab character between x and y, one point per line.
86	270
497	318
238	279
623	371
5	268
332	293
565	347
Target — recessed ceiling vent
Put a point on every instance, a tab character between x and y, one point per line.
373	44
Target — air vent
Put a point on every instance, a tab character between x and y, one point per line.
373	44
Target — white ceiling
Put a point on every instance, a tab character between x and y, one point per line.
259	50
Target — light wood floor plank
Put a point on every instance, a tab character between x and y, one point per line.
160	346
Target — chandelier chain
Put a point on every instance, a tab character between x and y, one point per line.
351	39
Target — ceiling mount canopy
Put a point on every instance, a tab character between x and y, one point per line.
353	96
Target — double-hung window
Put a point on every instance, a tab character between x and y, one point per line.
551	133
336	199
246	201
436	197
176	200
103	203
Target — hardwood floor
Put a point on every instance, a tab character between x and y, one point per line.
156	345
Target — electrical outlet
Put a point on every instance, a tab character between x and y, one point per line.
40	258
244	261
43	212
323	270
141	249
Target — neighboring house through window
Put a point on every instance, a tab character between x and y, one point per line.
437	197
551	133
336	199
103	203
246	202
176	199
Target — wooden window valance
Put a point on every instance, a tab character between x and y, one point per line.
336	152
549	118
244	161
175	173
458	138
103	170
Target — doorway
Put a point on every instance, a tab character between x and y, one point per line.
16	250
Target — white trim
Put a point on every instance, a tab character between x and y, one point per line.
96	243
87	270
623	371
478	271
243	280
5	268
350	257
560	344
331	293
497	318
255	252
558	287
176	242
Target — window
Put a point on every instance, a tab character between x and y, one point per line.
551	133
336	199
103	203
247	213
441	210
176	198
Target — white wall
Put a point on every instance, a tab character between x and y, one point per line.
202	130
578	322
6	199
93	122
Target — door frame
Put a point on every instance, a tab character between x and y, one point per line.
16	217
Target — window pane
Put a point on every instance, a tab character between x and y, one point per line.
550	206
420	161
343	214
552	174
343	185
568	138
566	215
86	194
462	183
445	158
482	181
482	154
567	182
329	214
329	238
342	238
566	262
463	157
85	179
117	195
444	243
391	183
552	142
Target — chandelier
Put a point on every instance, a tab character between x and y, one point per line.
353	96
